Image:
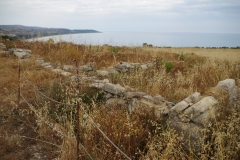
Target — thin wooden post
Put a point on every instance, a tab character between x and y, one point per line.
19	81
77	115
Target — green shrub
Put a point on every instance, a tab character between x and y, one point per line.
114	49
169	66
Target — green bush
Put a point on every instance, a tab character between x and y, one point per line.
169	66
114	49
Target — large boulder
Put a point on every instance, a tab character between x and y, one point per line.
233	92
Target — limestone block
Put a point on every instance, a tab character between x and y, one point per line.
102	73
39	61
66	74
68	67
144	67
203	111
129	95
114	89
178	108
227	84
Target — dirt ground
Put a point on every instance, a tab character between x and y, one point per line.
19	133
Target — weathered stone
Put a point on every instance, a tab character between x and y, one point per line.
101	81
114	89
88	79
196	97
231	88
66	74
148	98
85	68
98	83
113	71
178	108
170	104
39	61
150	64
144	67
102	73
193	98
46	64
74	78
136	64
129	95
227	84
21	53
108	96
133	104
202	112
148	107
192	134
68	67
123	66
116	102
158	98
48	67
57	70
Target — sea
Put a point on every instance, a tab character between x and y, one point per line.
158	39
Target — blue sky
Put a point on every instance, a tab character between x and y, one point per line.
213	16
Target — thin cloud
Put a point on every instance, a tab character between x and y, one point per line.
124	14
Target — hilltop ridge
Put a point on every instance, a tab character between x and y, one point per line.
20	31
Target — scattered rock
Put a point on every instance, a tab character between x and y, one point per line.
129	95
144	67
40	61
114	89
20	53
102	73
68	68
66	74
87	68
99	83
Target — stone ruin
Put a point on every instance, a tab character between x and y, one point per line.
189	117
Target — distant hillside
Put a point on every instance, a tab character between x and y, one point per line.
19	31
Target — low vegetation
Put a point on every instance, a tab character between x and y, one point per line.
52	126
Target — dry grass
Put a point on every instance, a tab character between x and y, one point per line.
228	54
139	135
